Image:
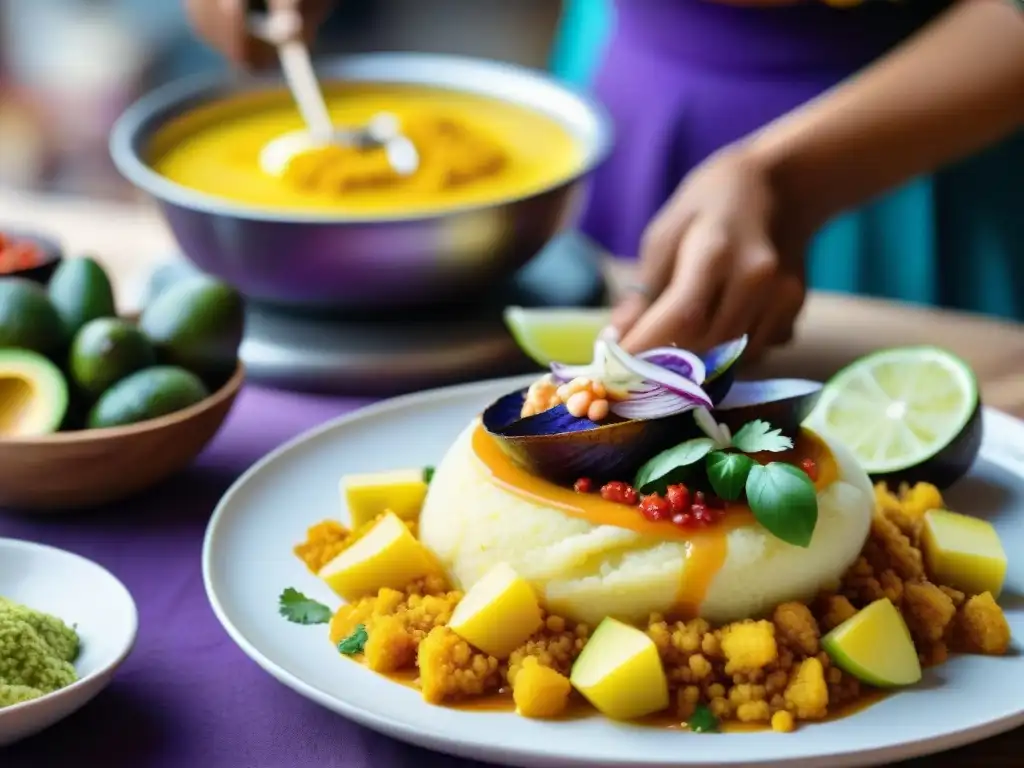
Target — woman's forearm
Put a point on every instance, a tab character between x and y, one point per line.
953	89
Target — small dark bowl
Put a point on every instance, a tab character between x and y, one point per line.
51	256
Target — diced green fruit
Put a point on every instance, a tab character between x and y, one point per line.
371	494
908	414
28	320
147	394
564	335
963	552
33	394
80	291
107	350
874	645
619	671
498	613
197	324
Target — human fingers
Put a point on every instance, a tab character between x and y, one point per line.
776	326
680	315
748	291
221	24
658	248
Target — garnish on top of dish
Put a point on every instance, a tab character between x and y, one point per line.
742	569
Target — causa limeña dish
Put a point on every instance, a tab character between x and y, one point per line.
645	537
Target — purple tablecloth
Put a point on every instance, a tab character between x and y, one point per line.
188	696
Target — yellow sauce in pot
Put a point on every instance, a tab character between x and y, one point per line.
473	151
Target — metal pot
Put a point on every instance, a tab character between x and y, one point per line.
332	261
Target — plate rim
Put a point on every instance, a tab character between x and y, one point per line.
524	755
125	646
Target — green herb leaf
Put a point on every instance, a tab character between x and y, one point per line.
702	720
727	473
783	499
666	462
354	643
428	474
299	609
756	436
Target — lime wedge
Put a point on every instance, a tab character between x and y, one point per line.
564	335
901	408
874	645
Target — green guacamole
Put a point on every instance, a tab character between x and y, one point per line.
36	654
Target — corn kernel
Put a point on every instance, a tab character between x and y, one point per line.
578	404
598	410
782	722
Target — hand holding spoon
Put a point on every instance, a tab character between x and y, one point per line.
282	27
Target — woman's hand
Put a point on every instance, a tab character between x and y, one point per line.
222	25
722	258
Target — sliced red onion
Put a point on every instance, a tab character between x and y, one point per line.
720	433
678	361
656	403
592	369
650	372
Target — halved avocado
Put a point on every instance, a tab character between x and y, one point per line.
33	394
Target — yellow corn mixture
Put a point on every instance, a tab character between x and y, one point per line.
770	671
452	155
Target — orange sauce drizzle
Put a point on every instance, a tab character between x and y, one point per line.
579	708
706	548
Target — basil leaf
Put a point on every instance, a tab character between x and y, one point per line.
727	473
682	455
783	499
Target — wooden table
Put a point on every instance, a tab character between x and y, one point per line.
833	330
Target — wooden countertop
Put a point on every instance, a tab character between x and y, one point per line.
833	330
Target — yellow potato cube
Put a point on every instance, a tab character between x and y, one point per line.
620	672
387	556
540	691
498	613
369	495
963	552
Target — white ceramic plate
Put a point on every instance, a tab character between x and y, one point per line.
85	596
248	560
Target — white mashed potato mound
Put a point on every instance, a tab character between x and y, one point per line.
587	572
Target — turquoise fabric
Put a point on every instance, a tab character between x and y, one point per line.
585	27
955	239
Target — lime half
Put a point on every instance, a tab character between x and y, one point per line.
903	408
564	335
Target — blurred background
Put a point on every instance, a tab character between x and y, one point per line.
58	100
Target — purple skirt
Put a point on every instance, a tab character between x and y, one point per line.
683	78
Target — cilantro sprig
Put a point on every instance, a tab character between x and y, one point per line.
354	643
702	720
299	609
781	496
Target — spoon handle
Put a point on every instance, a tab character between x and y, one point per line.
301	78
280	28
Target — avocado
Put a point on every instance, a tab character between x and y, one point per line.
33	394
28	320
147	394
105	351
80	291
197	324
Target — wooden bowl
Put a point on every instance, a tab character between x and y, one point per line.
71	470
